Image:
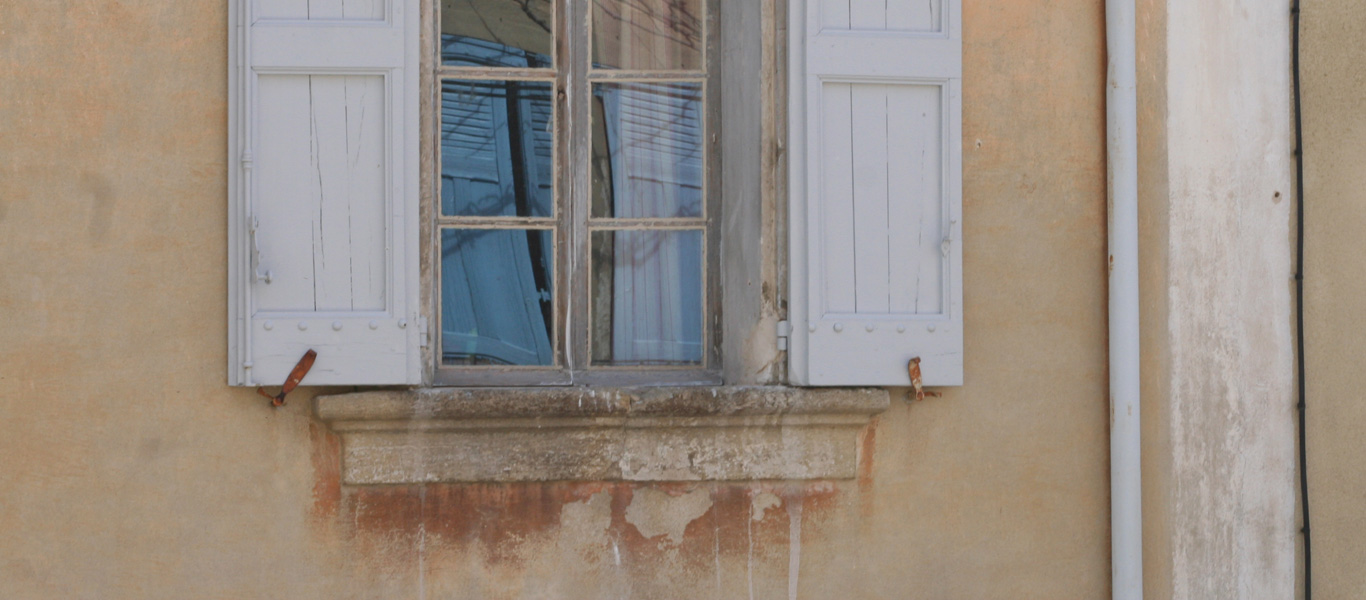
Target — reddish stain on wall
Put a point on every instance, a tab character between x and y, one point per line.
867	443
498	519
326	458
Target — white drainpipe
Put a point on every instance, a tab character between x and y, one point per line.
1126	506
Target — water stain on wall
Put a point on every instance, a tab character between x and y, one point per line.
634	530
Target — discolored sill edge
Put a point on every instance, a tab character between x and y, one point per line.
597	402
599	434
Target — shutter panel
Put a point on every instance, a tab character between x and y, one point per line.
323	228
876	183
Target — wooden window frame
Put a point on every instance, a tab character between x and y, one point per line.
572	80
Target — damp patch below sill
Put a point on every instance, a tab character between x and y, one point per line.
717	433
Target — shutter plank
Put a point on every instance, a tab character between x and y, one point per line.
922	15
367	200
916	179
287	193
834	219
868	14
326	9
348	248
834	14
869	107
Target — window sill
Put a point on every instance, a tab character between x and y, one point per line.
599	434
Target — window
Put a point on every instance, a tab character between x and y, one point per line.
574	225
548	208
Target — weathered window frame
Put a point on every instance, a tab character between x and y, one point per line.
573	156
749	427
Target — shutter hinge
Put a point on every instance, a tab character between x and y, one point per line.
422	330
784	330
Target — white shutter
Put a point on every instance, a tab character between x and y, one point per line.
876	183
323	191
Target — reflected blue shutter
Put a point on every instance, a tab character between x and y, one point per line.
497	153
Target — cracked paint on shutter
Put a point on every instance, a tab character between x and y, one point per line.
876	192
323	194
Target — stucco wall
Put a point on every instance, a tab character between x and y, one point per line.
1333	60
131	470
1153	229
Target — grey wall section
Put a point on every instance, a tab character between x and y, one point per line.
1333	59
1228	467
132	471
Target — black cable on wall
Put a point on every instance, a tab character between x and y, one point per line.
1299	291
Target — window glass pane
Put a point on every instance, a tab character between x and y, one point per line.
647	150
497	297
496	33
647	35
497	148
647	297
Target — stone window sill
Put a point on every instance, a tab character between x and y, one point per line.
599	434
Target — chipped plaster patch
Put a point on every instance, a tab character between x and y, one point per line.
655	513
761	503
589	516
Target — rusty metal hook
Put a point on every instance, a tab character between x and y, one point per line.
914	369
295	376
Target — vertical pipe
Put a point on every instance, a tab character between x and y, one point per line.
1126	516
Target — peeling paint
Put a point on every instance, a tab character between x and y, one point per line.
763	501
655	513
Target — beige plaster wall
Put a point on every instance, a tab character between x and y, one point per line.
131	471
1333	75
1153	229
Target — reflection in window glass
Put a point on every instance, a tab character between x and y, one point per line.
647	35
497	297
647	150
497	148
647	297
502	33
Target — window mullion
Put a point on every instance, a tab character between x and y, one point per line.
711	282
576	202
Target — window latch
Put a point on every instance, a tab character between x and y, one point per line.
295	376
256	274
784	330
947	244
